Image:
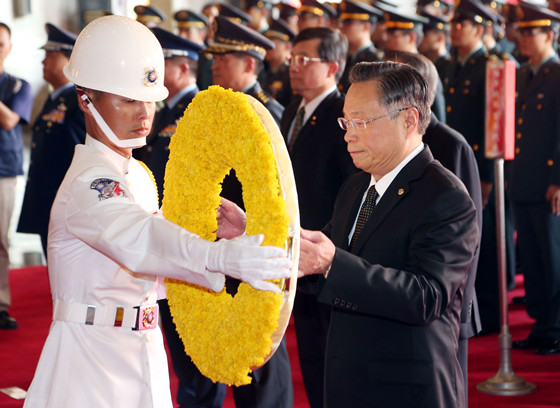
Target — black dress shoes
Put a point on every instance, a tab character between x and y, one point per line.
531	342
549	346
7	322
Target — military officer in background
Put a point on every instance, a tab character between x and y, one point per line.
238	56
192	26
435	44
59	127
405	32
287	11
276	77
314	14
260	11
195	27
534	184
357	22
233	13
149	16
181	58
464	81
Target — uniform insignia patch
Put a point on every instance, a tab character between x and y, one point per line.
168	131
107	188
56	115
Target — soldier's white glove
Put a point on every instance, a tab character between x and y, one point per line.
243	258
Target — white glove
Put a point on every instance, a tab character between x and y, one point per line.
243	258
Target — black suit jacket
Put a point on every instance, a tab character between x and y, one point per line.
451	149
156	152
320	159
465	96
397	297
59	127
537	154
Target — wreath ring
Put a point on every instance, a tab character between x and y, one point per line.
228	336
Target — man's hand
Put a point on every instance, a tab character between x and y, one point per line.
316	253
243	258
231	220
553	195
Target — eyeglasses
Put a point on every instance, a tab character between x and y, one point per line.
362	124
302	60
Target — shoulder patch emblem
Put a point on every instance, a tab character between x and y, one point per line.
107	188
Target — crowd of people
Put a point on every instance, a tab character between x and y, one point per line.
383	114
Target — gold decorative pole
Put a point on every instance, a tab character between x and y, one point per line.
505	382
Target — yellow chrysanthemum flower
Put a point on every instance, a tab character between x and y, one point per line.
226	336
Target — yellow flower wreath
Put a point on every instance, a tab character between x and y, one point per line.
226	336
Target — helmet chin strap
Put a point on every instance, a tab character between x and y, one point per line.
126	143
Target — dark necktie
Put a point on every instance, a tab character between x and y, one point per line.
297	127
365	212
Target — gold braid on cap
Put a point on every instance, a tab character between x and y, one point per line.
534	23
149	19
404	25
354	16
277	34
223	45
310	9
190	24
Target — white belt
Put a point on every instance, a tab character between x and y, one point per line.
136	318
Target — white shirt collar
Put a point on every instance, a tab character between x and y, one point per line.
118	159
314	103
171	102
384	182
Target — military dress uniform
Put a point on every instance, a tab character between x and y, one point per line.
464	85
276	81
59	127
536	167
102	219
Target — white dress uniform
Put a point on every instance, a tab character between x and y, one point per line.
106	248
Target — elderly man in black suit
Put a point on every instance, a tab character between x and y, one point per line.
395	267
321	164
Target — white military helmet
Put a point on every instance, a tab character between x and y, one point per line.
121	56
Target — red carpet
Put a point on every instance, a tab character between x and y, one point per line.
20	350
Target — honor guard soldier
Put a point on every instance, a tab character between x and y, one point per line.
358	20
181	57
314	14
110	249
534	183
464	81
149	15
276	79
59	127
16	102
238	55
